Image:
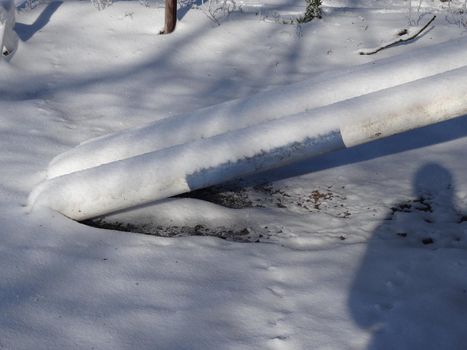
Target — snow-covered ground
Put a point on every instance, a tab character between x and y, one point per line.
363	248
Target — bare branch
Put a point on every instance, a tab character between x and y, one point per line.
403	38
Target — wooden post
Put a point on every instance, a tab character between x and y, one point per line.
170	16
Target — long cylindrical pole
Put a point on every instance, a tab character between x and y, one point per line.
263	107
156	175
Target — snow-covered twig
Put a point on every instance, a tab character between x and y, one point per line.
101	4
215	10
404	36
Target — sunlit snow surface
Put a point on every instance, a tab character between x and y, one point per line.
367	247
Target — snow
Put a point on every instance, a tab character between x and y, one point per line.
344	258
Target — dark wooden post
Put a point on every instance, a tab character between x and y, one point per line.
170	16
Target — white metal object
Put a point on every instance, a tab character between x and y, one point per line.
263	107
160	174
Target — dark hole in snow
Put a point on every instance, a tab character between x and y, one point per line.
230	196
242	234
427	241
241	194
5	52
402	32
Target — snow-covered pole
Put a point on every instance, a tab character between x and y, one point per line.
8	37
160	174
265	106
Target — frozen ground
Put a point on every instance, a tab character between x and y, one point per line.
360	249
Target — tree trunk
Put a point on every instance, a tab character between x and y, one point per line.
170	16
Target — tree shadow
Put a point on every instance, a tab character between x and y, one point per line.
409	292
27	31
186	6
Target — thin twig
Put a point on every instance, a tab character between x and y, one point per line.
398	41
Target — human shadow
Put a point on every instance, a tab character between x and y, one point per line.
409	291
27	31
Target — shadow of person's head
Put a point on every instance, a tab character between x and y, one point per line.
433	179
434	184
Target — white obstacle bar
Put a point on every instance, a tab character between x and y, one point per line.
160	174
265	106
